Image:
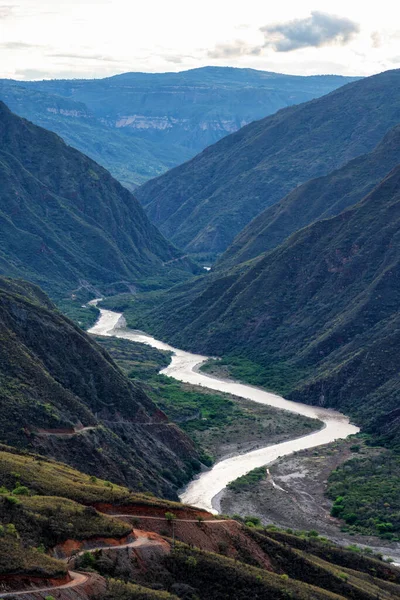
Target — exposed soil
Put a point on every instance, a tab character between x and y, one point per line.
226	537
293	496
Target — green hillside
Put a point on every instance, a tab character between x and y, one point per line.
317	199
66	223
38	519
63	396
202	205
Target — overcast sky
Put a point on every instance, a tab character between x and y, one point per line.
96	38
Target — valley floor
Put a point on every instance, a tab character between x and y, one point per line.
293	496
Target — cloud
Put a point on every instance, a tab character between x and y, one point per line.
19	46
6	10
77	56
233	50
319	29
177	60
376	38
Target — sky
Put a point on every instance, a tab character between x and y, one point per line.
43	39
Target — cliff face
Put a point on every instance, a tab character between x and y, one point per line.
65	221
63	395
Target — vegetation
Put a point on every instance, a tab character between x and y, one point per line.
47	477
83	315
245	482
317	199
15	558
119	590
49	520
277	377
202	204
56	379
366	494
92	230
216	422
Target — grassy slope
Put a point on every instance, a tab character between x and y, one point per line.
35	521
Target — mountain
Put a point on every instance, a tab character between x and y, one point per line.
318	314
202	205
63	396
317	199
66	222
138	125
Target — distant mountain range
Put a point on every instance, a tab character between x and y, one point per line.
66	223
139	125
203	204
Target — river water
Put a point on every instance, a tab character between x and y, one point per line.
203	490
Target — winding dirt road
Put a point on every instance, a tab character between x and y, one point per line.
78	579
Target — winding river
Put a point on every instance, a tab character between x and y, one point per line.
204	489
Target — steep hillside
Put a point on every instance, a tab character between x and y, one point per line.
317	199
225	558
204	203
138	125
65	221
320	311
61	394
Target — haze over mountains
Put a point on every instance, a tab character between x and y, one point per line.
202	204
138	125
66	223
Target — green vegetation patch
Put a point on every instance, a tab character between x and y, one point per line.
49	520
16	558
366	494
246	482
277	377
120	590
83	315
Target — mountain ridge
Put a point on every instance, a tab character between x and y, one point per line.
202	204
63	396
66	221
314	200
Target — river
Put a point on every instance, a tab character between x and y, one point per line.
204	489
